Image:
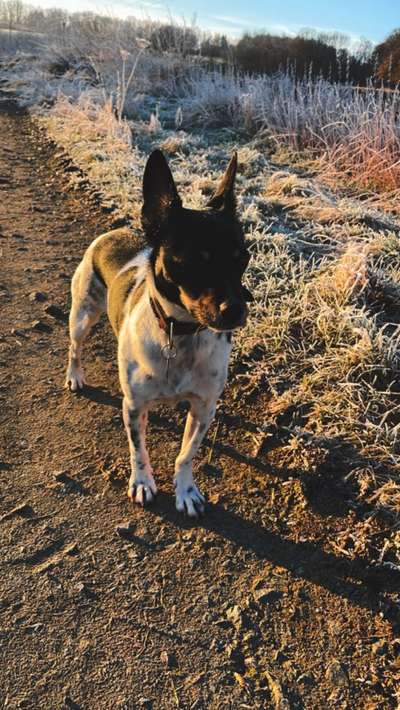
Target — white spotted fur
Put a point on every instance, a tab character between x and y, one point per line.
197	374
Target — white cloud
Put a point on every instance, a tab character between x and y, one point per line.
236	21
121	8
237	25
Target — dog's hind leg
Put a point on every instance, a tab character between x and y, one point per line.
188	497
88	303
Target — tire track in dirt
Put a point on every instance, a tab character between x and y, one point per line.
239	610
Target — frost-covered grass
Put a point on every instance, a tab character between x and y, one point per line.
350	135
353	134
102	147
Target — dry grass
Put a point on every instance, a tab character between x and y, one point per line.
101	146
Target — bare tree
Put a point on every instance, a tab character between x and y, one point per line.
13	13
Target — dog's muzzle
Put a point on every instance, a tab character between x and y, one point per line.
233	315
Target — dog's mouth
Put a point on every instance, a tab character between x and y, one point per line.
226	328
218	315
221	324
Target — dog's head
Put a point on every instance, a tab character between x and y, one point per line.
199	256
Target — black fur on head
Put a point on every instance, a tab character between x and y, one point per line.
198	256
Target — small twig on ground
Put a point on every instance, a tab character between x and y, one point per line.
143	649
18	510
55	559
211	449
174	691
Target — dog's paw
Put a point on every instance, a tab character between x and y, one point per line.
189	500
142	492
75	379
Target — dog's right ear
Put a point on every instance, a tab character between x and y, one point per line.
224	196
160	195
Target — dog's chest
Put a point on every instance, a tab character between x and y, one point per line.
199	368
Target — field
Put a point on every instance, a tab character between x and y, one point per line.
286	595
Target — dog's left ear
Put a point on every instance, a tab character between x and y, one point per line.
224	196
160	195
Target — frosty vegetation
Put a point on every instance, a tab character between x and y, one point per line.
318	193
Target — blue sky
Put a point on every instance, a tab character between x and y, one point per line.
366	18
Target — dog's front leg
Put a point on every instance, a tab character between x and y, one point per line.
142	487
188	496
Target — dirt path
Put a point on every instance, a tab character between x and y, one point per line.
253	607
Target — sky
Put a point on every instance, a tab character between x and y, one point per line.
358	18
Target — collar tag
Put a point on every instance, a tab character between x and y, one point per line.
169	350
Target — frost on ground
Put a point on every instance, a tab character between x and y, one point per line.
322	341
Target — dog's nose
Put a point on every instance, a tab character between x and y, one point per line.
233	313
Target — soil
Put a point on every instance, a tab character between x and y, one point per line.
105	605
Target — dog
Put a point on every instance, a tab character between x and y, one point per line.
173	300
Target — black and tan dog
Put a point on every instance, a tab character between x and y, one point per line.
172	304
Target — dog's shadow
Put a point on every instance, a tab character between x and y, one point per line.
100	396
355	580
352	579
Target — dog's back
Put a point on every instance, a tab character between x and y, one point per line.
103	283
117	257
112	251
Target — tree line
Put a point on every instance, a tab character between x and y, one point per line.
333	56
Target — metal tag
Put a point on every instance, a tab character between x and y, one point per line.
169	351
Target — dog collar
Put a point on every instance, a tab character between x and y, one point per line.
179	327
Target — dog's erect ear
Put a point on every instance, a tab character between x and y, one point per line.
224	196
160	195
